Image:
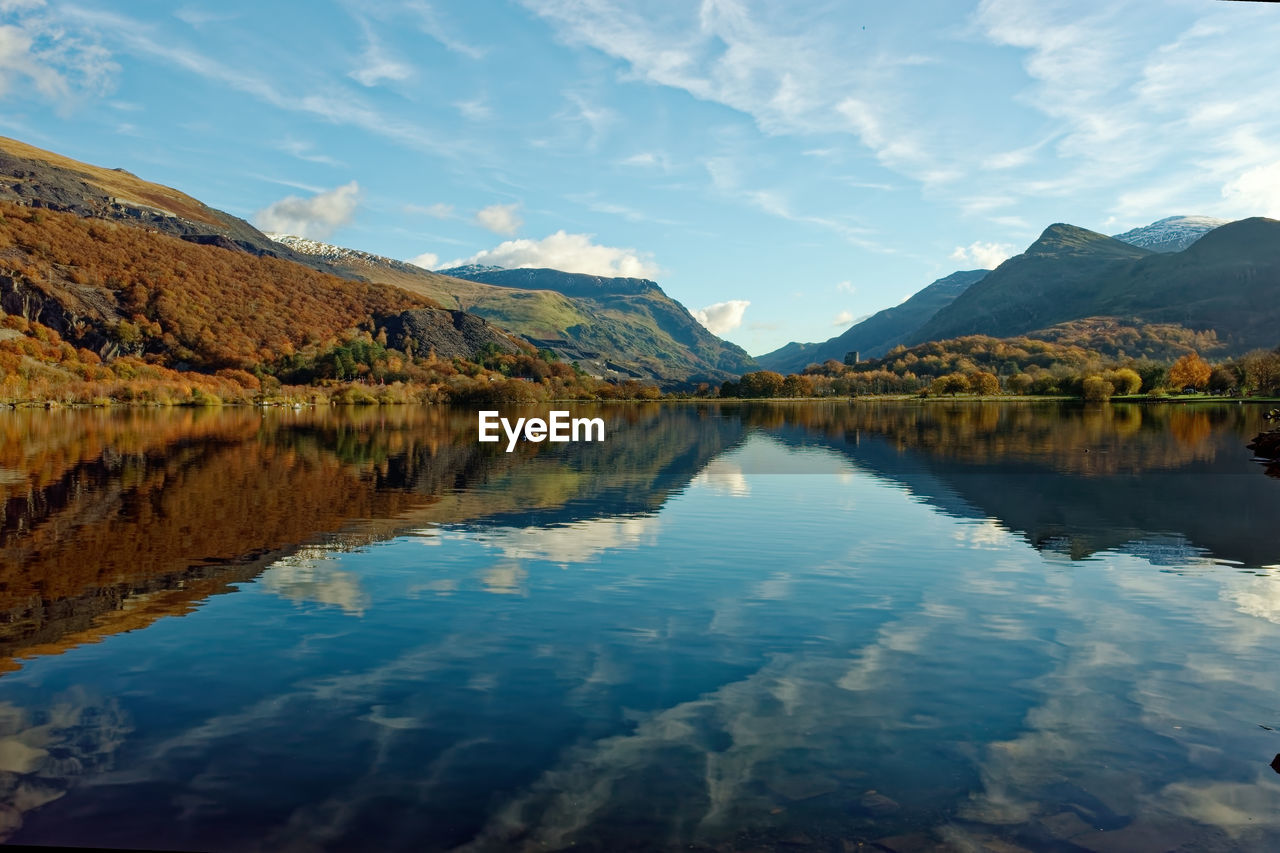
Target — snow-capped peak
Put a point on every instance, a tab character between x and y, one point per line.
1171	234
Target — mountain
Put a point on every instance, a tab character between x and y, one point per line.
32	177
620	329
612	327
880	332
116	265
1051	282
1226	282
642	322
1171	234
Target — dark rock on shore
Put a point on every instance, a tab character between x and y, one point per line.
1267	446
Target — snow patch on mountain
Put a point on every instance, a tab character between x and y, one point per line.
339	254
468	270
1171	234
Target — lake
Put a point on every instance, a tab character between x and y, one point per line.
934	626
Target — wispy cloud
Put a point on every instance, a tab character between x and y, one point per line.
647	160
439	210
476	109
597	119
378	63
566	252
430	24
337	105
631	214
726	177
306	151
198	17
1110	108
39	55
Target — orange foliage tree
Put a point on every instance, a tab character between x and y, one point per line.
1190	371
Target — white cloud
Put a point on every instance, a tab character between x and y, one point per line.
846	287
316	217
38	54
500	218
1257	191
844	318
723	317
427	260
986	256
565	252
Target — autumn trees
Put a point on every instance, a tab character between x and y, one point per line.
1190	371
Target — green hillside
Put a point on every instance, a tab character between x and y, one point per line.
634	321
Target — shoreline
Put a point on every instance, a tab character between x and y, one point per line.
1143	399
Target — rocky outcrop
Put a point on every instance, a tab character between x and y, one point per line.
448	334
77	317
1267	446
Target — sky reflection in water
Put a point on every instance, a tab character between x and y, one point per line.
737	628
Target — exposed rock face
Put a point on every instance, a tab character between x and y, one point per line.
78	314
447	333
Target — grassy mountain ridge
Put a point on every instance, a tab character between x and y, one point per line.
880	332
613	327
658	317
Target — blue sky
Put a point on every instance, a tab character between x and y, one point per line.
787	166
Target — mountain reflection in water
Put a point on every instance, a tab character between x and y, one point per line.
737	627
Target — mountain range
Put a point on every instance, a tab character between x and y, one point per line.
125	265
612	327
615	328
1201	273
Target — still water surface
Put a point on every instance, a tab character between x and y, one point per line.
943	626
